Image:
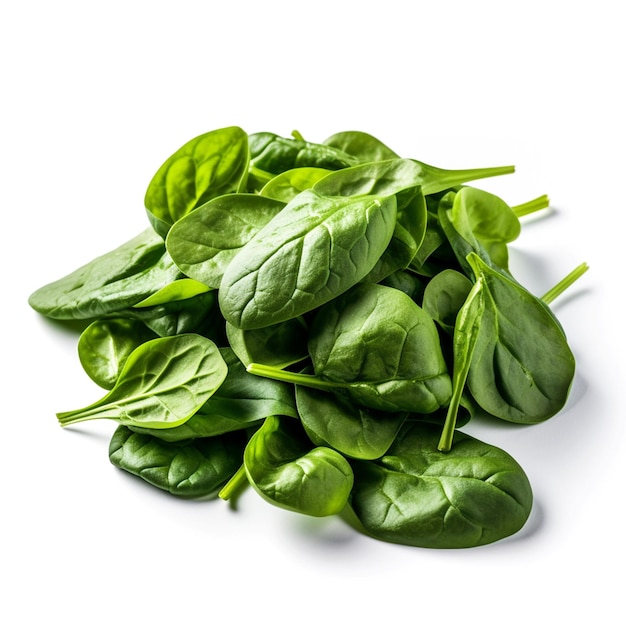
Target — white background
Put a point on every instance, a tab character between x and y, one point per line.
95	95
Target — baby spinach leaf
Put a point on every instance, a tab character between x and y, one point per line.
189	469
109	283
408	282
315	249
280	345
105	344
378	347
483	220
180	289
203	243
274	154
335	421
416	495
444	296
198	314
511	376
162	384
287	185
242	401
286	470
397	175
465	337
205	167
385	346
363	146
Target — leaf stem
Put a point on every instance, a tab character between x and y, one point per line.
275	373
565	283
532	206
238	480
466	332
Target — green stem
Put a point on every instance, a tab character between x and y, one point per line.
307	380
237	481
526	208
449	426
436	179
465	336
297	135
68	418
565	283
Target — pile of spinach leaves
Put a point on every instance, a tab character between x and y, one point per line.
319	320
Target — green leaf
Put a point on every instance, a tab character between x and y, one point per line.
104	346
363	146
383	348
444	296
315	249
287	185
189	469
335	421
522	367
416	495
287	471
162	384
281	344
109	283
208	166
242	401
203	243
180	289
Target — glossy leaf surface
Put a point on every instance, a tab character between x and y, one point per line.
279	345
315	249
241	401
204	242
109	283
287	185
162	384
415	495
189	469
104	346
285	469
363	146
335	421
381	343
205	167
512	376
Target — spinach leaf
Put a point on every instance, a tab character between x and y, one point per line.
416	495
315	249
109	283
286	470
333	420
205	167
512	376
274	154
386	178
242	401
444	296
465	337
381	342
280	345
189	469
176	291
203	243
408	282
198	314
381	177
105	344
363	146
287	185
378	347
162	384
